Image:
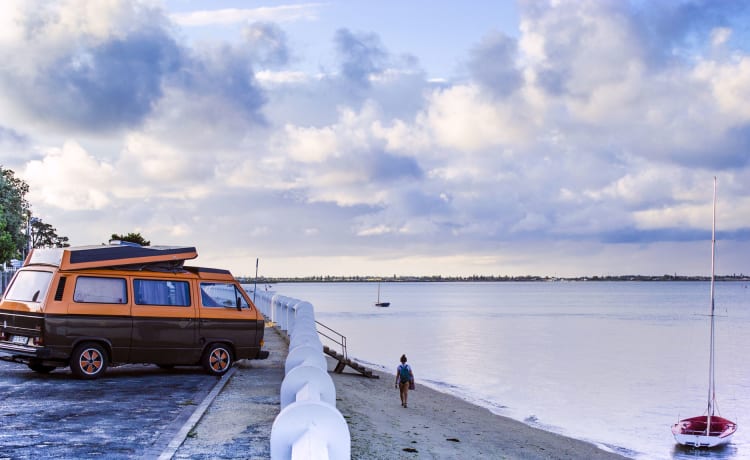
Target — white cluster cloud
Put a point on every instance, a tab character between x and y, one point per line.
598	126
282	13
50	181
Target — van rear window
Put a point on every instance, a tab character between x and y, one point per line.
29	286
161	292
91	289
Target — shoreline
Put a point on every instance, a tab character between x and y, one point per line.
441	425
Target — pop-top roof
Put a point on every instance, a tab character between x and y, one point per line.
110	255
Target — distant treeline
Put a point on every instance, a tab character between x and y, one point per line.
438	278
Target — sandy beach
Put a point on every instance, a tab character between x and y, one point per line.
436	425
440	426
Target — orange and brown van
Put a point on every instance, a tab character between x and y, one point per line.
90	307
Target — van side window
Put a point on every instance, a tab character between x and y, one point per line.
90	289
161	292
221	295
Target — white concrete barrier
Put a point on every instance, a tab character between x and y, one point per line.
309	426
262	300
317	384
308	354
306	322
310	430
305	338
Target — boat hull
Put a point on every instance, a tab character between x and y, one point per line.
692	431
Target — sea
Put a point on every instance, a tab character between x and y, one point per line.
612	363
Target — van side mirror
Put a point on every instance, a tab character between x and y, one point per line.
239	303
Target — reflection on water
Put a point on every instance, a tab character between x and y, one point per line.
725	451
615	363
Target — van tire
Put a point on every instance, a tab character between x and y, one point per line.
88	361
217	359
40	368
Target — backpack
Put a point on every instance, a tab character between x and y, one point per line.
404	373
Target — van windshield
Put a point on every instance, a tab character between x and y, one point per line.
29	286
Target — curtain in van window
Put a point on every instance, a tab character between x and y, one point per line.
161	292
152	292
181	293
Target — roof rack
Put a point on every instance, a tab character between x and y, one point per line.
109	255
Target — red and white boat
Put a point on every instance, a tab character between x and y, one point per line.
692	431
709	429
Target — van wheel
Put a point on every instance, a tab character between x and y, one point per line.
218	359
37	366
89	361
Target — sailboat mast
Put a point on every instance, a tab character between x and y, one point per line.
711	373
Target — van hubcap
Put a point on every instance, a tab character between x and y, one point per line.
219	359
91	361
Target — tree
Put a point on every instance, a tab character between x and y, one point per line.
7	248
45	235
132	238
14	212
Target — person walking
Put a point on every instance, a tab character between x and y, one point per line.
404	380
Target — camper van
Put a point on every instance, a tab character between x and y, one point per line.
91	307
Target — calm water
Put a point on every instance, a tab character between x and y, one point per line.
612	363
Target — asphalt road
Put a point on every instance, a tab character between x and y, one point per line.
133	411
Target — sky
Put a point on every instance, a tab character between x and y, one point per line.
352	137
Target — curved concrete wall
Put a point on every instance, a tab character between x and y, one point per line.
309	426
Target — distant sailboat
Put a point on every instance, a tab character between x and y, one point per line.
379	303
709	429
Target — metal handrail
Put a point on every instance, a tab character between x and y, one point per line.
341	340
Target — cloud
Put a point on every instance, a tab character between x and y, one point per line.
388	167
224	74
14	148
70	179
101	70
111	85
573	48
270	78
311	145
362	56
164	165
10	136
267	42
283	13
462	118
493	64
107	67
729	82
583	133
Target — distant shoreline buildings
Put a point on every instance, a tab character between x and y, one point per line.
489	278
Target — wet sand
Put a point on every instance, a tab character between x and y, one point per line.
440	426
